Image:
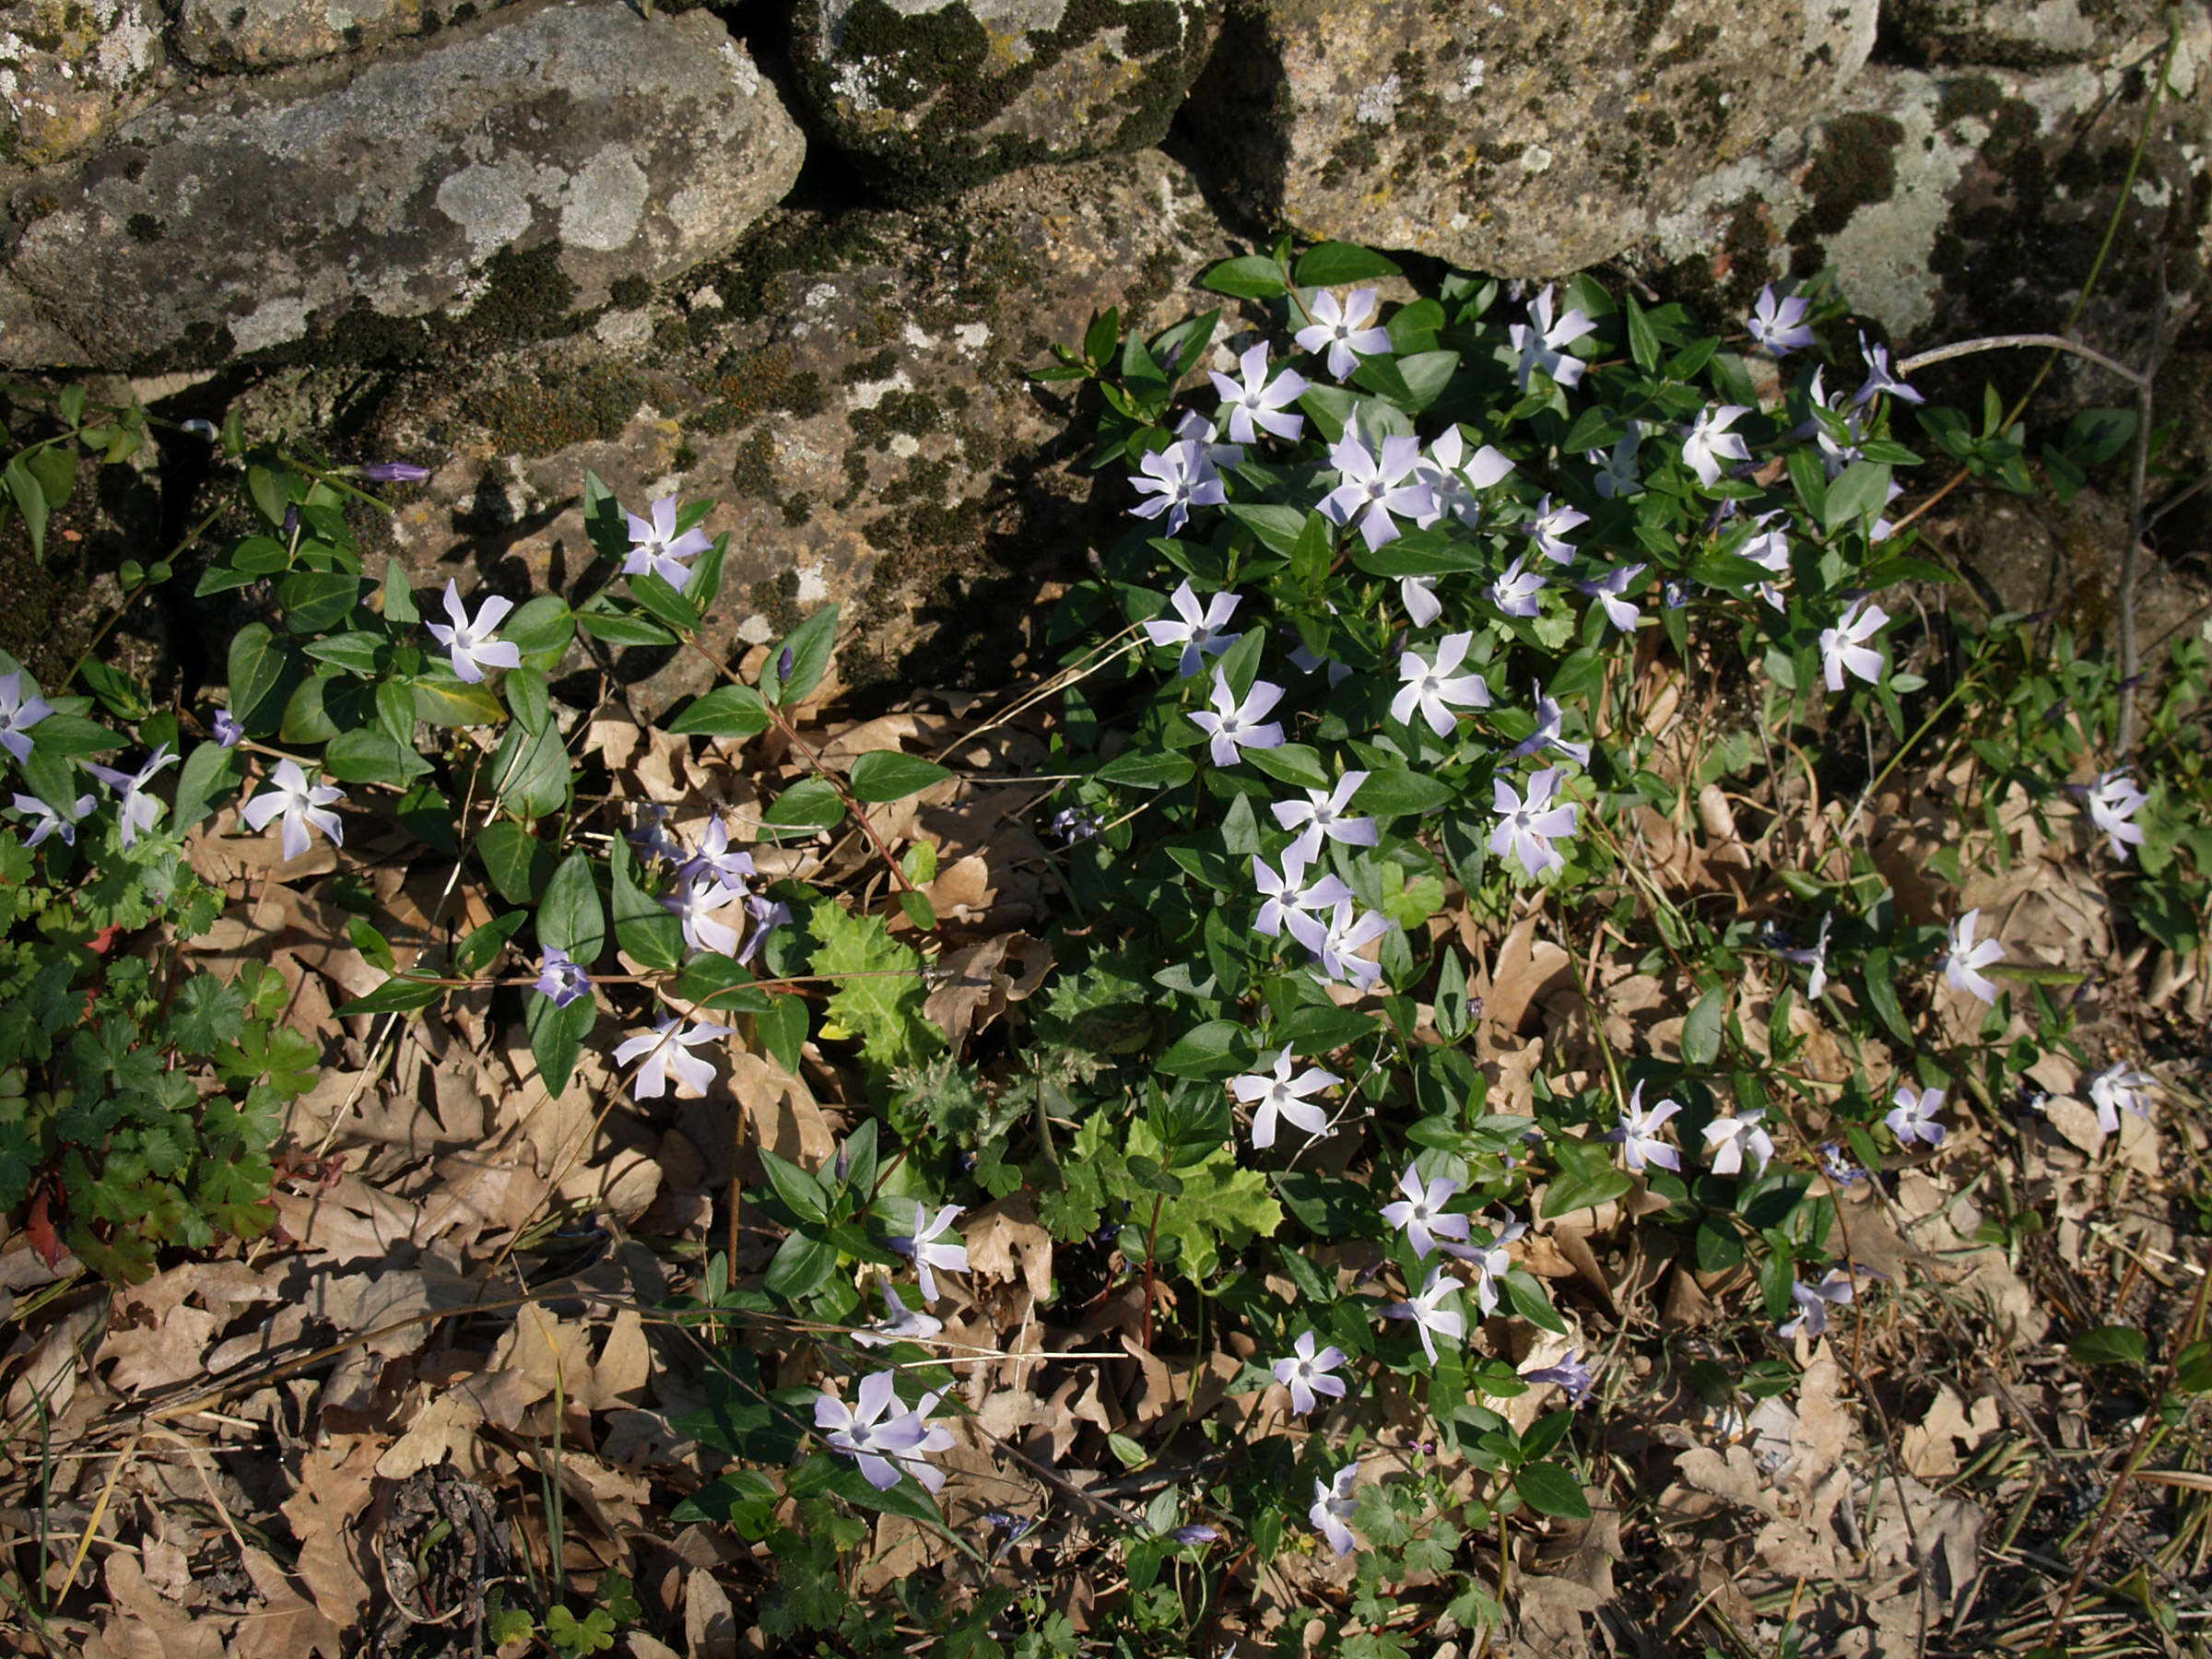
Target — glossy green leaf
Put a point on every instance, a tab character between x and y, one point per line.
888	775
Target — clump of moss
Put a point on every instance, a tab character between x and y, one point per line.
912	413
1857	165
630	292
1354	153
778	600
754	471
880	367
538	417
749	384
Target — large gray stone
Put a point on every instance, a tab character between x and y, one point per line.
71	68
1526	141
933	95
232	222
2017	34
263	34
855	397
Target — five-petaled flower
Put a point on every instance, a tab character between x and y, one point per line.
1515	590
1337	943
135	810
1548	530
19	714
1420	1214
1306	1373
1779	324
303	807
715	859
1608	589
1453	476
1543	343
1730	1138
697	902
1434	690
668	1048
1259	403
1332	1506
1912	1118
1281	1094
2114	800
1813	1302
1963	962
1177	479
1427	1312
657	549
1815	959
882	1445
2119	1088
1377	484
1288	894
475	646
560	979
900	1324
1236	726
1546	736
1529	823
1709	443
1844	645
1201	633
1345	330
924	1245
1879	378
1637	1135
52	821
228	733
1492	1262
1619	479
1568	1371
1322	815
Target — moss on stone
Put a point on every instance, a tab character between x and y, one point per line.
915	414
536	417
1857	165
630	292
778	599
754	471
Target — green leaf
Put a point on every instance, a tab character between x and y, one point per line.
316	600
725	712
1293	763
1219	1048
1399	793
30	501
452	702
722	983
70	735
2109	1345
1862	488
402	994
483	945
528	698
399	596
540	629
366	757
209	772
1643	344
880	995
802	1266
783	1030
1703	1031
530	772
1585	1179
1332	263
824	1472
1252	277
810	804
1551	1491
888	775
1276	528
663	603
355	652
798	1189
1147	769
644	925
571	919
256	666
809	646
518	863
557	1035
602	620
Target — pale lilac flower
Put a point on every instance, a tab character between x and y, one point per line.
1637	1135
303	806
765	913
2114	800
1550	531
665	1049
1281	1094
1201	633
1813	1302
560	979
697	903
1492	1262
1429	1313
1838	1167
1569	1372
1197	429
1306	1373
1608	589
1878	376
1778	325
1912	1118
2119	1088
1375	486
1453	476
1815	958
1619	479
19	714
714	860
1286	897
1838	451
1347	331
657	549
1332	1506
1323	814
1844	646
1259	403
1514	592
473	646
1882	529
1962	964
1543	344
1420	1214
652	837
1529	824
884	1448
1236	726
1418	593
1197	1533
135	810
1434	690
228	733
1709	443
1729	1138
51	821
900	1324
928	1252
1336	944
1547	735
1177	479
395	472
1769	548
